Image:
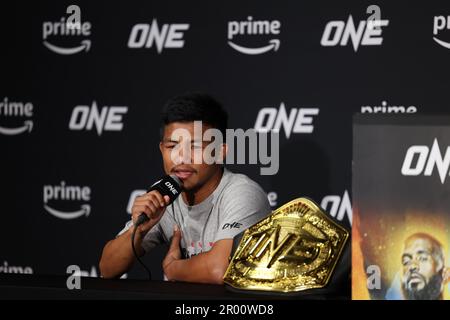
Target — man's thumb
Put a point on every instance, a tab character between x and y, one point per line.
176	236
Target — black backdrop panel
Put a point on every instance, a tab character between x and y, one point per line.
82	167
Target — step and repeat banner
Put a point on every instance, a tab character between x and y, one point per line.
401	208
82	84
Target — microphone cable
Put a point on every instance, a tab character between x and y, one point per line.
133	235
169	185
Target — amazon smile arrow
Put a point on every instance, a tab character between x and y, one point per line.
85	210
27	126
85	45
274	44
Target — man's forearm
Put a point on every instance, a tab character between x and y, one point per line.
200	268
118	256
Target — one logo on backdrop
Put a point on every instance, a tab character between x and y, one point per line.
441	23
167	36
8	268
299	120
248	29
385	107
18	115
63	195
106	119
338	207
366	33
69	35
421	160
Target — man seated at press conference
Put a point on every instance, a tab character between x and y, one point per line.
215	204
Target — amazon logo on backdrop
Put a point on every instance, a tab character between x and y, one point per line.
55	195
246	29
55	33
19	117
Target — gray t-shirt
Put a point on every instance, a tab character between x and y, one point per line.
235	205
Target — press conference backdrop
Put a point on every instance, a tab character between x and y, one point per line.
79	110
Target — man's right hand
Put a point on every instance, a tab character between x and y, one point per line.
153	204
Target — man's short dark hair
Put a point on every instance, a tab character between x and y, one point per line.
195	107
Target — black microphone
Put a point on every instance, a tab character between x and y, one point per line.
169	185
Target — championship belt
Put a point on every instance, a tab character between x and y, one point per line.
294	249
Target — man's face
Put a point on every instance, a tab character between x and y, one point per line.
181	154
421	278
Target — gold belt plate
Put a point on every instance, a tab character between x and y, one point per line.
295	248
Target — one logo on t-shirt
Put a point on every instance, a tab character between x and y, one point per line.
234	225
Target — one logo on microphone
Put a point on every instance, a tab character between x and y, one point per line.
169	36
15	113
250	28
64	196
171	188
338	207
70	28
421	160
441	23
299	120
106	119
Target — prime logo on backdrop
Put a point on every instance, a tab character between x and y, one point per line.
12	110
68	28
441	23
67	195
252	28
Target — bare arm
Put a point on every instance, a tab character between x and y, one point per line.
207	267
117	256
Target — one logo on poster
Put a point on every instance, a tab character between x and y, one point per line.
441	23
67	29
11	110
250	28
423	160
168	36
64	194
106	119
365	33
299	120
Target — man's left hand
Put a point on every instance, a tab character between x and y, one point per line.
174	252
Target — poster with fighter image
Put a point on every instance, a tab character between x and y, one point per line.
401	207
